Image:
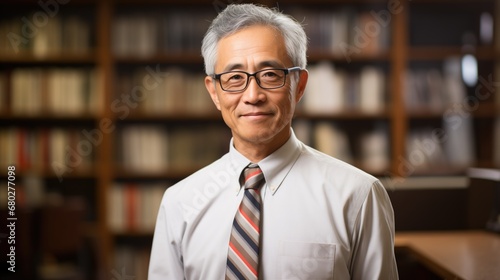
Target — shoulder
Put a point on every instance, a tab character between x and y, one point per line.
332	169
345	187
215	175
191	198
334	178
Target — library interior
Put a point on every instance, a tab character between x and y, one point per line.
103	106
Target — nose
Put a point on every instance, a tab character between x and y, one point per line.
253	94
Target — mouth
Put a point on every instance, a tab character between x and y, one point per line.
256	115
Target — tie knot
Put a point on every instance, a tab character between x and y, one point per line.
253	176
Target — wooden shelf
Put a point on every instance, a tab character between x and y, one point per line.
443	52
346	115
169	173
320	55
31	3
30	58
184	58
40	118
441	170
181	58
483	111
487	111
134	234
425	114
49	173
180	116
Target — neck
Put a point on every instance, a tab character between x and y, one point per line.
256	151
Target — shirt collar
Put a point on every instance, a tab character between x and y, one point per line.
275	167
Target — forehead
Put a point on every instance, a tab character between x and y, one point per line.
252	48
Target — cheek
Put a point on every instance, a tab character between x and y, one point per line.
286	107
228	104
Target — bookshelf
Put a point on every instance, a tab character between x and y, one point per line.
135	57
460	111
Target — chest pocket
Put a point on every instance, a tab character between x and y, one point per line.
300	261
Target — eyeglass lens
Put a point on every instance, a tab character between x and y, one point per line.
266	79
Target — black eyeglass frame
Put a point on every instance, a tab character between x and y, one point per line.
285	70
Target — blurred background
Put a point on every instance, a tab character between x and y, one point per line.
103	107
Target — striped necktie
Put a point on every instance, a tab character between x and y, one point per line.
243	253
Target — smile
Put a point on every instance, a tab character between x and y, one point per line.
256	115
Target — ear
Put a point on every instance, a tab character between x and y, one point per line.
210	85
301	86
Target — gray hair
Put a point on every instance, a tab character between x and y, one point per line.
238	16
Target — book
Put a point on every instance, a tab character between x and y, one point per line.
329	139
158	32
76	35
372	89
68	34
458	127
135	35
25	94
344	31
39	149
333	90
154	149
324	93
424	151
57	91
130	262
134	206
341	22
302	129
177	92
425	89
144	148
49	38
375	149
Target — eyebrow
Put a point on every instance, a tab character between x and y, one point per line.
263	64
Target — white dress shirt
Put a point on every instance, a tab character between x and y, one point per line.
322	219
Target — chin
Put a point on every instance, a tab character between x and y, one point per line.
259	138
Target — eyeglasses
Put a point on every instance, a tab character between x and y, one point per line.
237	81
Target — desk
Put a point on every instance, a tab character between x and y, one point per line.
469	255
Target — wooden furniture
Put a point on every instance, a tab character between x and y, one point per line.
468	255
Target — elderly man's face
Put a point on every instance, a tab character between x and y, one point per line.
256	116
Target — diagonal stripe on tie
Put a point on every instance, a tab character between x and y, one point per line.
243	252
253	199
232	272
250	218
245	234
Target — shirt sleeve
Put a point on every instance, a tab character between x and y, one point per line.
166	258
373	239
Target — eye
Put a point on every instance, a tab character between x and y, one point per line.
235	77
270	74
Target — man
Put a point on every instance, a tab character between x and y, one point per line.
296	213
